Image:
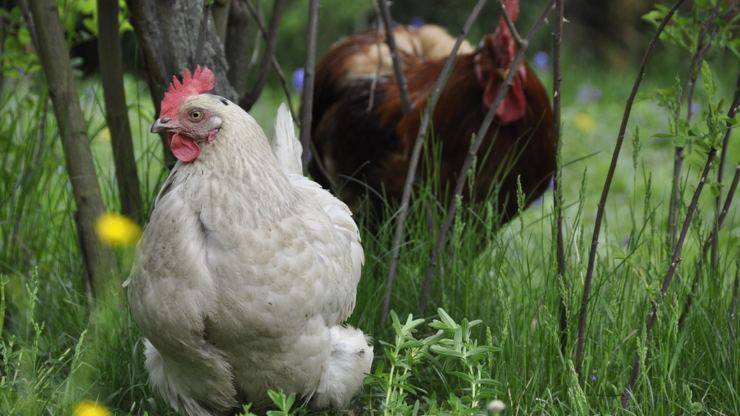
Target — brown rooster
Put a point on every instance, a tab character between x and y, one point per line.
363	140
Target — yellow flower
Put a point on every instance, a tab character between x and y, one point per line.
117	230
88	408
585	122
105	134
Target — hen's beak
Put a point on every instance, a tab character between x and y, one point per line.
162	124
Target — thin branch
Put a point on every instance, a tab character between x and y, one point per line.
557	194
678	155
733	307
701	50
675	259
309	70
720	169
198	59
674	203
390	40
248	100
583	314
416	154
26	13
472	152
275	64
511	25
379	66
711	243
711	240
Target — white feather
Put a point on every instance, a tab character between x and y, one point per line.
244	275
285	145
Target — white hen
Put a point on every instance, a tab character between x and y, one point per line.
247	269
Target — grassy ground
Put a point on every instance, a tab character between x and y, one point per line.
56	352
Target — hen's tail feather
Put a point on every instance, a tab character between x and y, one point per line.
285	144
174	392
350	361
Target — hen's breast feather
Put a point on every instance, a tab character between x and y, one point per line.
265	277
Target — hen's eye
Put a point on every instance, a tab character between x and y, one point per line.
195	115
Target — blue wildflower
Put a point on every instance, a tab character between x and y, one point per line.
541	60
695	107
588	93
298	76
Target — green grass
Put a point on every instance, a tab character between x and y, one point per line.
55	351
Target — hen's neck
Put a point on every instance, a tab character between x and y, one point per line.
240	163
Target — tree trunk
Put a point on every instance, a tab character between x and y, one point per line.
167	31
116	112
238	46
54	57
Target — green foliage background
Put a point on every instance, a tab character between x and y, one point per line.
498	337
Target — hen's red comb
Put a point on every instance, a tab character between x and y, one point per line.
201	81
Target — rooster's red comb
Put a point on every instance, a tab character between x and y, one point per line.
512	9
202	80
504	42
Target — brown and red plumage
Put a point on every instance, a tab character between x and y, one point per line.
363	140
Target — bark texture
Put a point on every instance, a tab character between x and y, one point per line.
167	31
116	112
54	56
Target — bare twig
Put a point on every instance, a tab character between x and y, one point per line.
706	246
583	314
721	211
390	39
675	259
733	306
275	64
26	13
714	259
426	284
702	48
416	154
198	56
510	24
557	193
674	204
248	100
309	70
379	66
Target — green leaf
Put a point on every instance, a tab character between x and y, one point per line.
710	86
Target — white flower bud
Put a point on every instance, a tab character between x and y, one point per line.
496	407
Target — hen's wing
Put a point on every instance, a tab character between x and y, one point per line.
287	150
